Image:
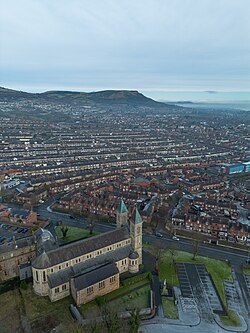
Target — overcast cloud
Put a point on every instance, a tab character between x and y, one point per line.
146	45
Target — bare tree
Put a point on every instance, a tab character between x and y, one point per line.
158	253
110	319
172	253
196	245
134	321
92	223
64	230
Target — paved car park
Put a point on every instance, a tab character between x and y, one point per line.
185	286
8	231
233	299
196	285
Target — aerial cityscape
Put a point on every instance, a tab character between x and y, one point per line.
124	167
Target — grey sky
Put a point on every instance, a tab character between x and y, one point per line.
147	45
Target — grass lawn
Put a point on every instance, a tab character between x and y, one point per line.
219	270
10	314
74	233
169	308
23	308
37	306
231	320
137	299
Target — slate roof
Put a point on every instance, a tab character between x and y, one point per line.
63	276
81	247
43	260
134	255
99	274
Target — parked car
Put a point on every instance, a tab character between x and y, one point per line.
175	238
158	234
248	261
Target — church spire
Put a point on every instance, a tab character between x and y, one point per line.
122	207
121	214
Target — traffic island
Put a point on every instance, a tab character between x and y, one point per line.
233	322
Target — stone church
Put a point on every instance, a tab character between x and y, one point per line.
91	267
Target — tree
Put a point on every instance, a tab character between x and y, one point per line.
172	253
111	319
24	285
134	321
196	245
91	228
92	223
158	254
64	230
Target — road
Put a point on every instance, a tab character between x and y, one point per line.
235	256
68	219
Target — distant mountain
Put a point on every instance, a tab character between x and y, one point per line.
6	93
176	102
107	97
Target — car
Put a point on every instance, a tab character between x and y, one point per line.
175	238
248	261
71	217
158	234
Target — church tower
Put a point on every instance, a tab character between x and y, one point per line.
121	214
136	233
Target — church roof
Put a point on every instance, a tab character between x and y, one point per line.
81	247
43	260
122	207
134	255
63	276
99	274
